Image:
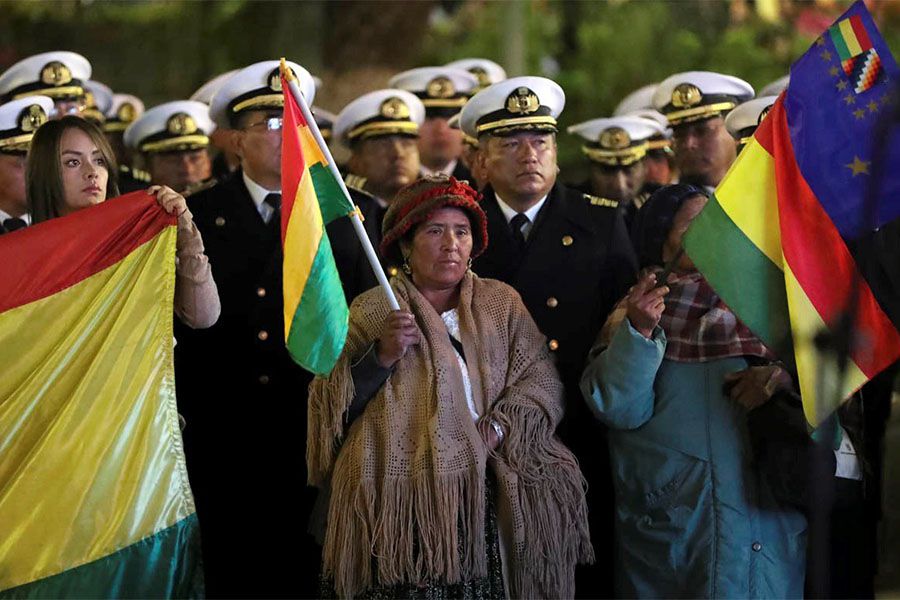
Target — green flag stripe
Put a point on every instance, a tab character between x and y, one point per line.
331	198
749	283
163	565
320	323
837	37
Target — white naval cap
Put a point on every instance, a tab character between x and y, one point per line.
743	120
123	111
616	141
98	99
59	75
486	71
453	123
324	121
697	95
776	87
516	104
442	90
380	113
206	91
171	127
19	119
257	87
639	99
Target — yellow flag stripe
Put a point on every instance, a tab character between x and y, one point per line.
87	465
748	196
806	323
850	37
301	244
312	154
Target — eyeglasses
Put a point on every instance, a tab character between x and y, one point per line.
270	124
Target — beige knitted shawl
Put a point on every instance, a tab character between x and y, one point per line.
408	479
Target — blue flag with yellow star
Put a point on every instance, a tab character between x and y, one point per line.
837	94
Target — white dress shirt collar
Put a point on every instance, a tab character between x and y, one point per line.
5	215
448	170
532	213
258	193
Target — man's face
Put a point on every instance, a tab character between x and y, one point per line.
439	144
179	170
12	184
257	141
703	151
620	183
388	163
521	166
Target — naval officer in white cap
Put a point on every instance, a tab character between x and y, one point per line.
124	110
696	103
659	161
616	149
443	91
60	75
742	122
243	397
173	139
19	119
486	71
568	255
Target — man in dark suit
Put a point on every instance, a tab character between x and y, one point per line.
567	254
18	121
243	398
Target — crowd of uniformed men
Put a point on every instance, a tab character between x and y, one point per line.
565	249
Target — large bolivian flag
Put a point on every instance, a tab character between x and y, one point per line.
316	317
776	239
94	494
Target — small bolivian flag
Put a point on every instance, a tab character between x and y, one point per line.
94	494
316	317
780	240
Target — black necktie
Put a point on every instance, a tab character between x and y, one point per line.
274	200
517	223
14	224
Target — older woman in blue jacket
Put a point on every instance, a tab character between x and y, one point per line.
673	376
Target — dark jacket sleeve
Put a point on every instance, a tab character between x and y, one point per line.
368	377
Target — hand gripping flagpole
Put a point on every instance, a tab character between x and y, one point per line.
355	215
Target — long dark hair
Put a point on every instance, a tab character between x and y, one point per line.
43	172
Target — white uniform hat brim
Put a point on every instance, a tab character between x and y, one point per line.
640	99
28	71
103	95
156	121
493	98
368	106
11	114
709	84
776	87
494	72
255	77
206	91
417	80
747	114
638	128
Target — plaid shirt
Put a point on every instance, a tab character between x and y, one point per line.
700	328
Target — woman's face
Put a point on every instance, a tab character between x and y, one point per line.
440	249
84	171
690	208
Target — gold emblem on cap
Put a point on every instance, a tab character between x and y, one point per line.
615	138
275	79
181	124
686	94
522	102
55	73
126	113
31	118
481	74
440	87
394	108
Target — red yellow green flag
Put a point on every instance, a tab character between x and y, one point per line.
94	494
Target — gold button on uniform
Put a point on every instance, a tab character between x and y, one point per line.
261	292
263	335
220	221
553	344
552	302
392	271
264	379
567	240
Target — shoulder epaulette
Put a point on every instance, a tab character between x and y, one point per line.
598	201
641	198
200	186
355	181
140	175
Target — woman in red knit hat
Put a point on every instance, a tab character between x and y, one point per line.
435	431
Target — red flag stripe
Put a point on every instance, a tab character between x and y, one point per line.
862	36
817	254
292	163
82	244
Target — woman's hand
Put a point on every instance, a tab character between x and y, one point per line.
398	334
489	434
645	304
754	387
172	202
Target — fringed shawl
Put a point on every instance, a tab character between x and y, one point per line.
408	478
